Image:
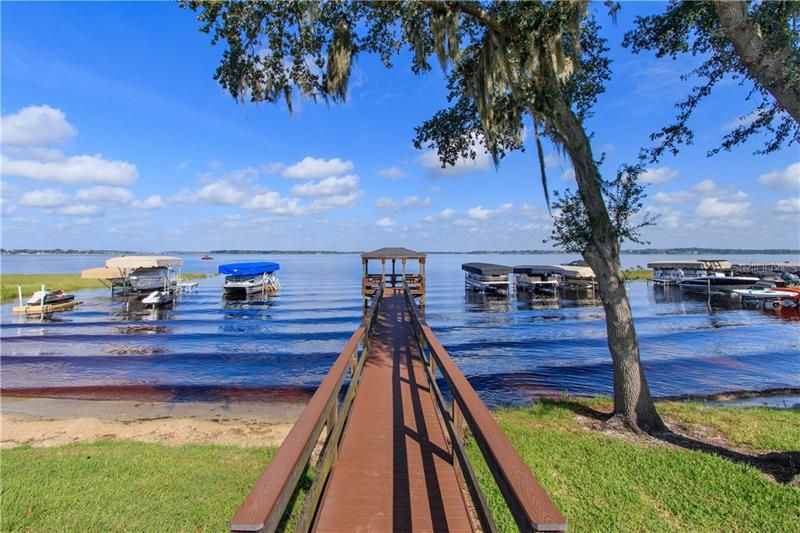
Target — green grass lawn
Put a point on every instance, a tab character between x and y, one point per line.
69	282
600	482
116	486
638	275
604	483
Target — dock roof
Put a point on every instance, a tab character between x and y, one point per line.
487	269
393	253
567	271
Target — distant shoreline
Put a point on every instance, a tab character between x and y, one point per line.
644	251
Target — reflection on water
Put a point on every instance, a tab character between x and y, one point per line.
511	348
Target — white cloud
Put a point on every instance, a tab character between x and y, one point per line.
337	201
392	173
464	165
267	200
331	186
744	120
386	223
386	203
151	202
704	188
35	125
81	210
658	175
788	178
182	165
534	213
273	167
667	216
101	194
274	202
568	174
673	197
789	206
444	214
479	213
311	168
411	202
6	208
551	160
289	207
44	198
74	169
220	193
734	206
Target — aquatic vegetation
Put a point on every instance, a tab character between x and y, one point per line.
31	283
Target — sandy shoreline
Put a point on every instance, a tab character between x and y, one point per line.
52	422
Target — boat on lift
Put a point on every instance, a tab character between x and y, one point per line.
158	299
487	277
50	297
716	282
242	279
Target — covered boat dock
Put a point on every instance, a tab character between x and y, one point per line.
487	277
136	273
414	280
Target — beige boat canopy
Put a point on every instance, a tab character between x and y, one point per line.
132	262
566	271
119	267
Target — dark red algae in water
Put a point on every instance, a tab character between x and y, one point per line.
156	393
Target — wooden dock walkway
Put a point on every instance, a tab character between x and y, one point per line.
390	451
395	471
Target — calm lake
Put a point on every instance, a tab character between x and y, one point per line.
510	349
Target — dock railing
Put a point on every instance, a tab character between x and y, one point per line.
267	502
532	508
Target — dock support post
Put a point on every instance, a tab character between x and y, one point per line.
41	317
19	292
364	272
424	288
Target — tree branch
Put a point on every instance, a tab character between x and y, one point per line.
764	67
473	10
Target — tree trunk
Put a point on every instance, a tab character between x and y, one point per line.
765	67
632	400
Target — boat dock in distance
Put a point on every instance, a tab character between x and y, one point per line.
384	445
547	280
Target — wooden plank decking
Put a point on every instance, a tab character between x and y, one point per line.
394	471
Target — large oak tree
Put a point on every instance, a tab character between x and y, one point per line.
507	62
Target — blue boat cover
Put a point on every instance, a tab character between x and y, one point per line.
248	269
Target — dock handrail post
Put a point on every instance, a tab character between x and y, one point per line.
19	292
41	316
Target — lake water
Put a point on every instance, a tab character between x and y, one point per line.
511	350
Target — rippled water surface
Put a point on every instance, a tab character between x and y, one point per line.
510	349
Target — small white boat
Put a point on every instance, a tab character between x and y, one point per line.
157	299
765	294
50	297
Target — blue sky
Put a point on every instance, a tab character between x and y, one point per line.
115	135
